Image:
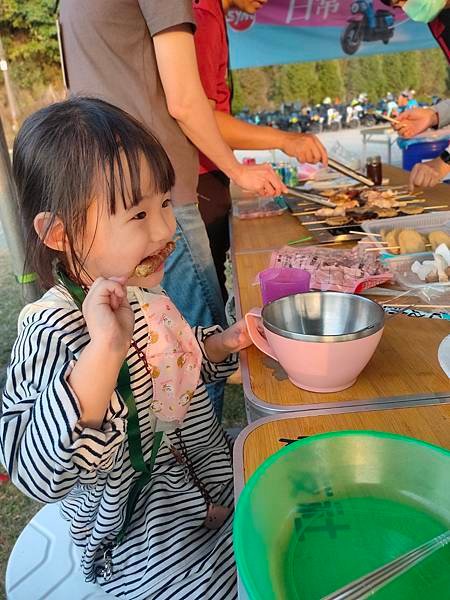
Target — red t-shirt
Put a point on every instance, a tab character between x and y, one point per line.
440	28
212	57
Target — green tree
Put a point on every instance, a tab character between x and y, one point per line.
238	95
299	82
330	79
354	81
253	87
29	35
393	72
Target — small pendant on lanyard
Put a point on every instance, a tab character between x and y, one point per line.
216	516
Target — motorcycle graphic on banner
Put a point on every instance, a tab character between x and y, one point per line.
284	31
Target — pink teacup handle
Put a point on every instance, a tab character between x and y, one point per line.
251	318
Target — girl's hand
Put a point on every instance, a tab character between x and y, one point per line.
220	345
108	314
236	337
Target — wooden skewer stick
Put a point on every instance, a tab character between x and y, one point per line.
388	248
320	222
326	228
381	218
302	214
416	201
365	233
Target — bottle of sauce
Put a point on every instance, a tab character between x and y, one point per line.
374	169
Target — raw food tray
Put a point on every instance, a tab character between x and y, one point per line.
401	267
295	204
424	223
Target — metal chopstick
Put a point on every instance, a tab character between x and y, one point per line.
366	585
340	168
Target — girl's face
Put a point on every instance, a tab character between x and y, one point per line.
114	245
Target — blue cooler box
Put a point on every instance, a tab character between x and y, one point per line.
416	150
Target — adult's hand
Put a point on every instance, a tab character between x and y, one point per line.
305	147
261	179
428	174
415	121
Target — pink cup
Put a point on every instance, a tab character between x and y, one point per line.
277	282
302	333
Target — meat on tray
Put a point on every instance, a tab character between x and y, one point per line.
338	270
356	205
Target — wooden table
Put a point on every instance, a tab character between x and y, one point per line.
260	440
263	438
404	370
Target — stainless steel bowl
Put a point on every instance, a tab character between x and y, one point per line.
323	317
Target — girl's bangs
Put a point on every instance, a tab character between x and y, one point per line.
122	165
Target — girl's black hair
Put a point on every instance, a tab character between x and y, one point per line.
59	154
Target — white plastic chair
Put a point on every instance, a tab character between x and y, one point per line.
44	564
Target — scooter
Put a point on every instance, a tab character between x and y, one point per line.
352	116
372	26
333	122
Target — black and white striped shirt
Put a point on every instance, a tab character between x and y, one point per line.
167	554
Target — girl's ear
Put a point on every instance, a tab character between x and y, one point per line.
50	230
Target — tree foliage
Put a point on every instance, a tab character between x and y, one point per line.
28	32
29	36
375	75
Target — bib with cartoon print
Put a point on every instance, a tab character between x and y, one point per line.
173	355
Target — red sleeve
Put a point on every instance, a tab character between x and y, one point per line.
207	46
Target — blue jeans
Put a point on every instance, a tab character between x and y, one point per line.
191	281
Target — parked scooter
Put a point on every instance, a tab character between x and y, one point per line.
333	119
352	116
371	26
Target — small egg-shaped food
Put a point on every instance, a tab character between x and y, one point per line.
437	238
411	241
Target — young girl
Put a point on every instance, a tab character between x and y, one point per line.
105	407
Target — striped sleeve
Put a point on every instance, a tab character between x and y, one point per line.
41	444
212	371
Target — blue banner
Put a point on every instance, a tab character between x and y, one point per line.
286	31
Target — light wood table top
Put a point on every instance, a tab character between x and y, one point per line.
263	438
405	367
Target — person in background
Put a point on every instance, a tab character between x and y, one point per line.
140	56
212	55
436	13
392	106
412	102
402	101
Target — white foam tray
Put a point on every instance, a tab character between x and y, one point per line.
401	265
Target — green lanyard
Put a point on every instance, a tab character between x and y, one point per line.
134	435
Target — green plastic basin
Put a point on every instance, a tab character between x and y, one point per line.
328	509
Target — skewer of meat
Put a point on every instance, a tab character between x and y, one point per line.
151	263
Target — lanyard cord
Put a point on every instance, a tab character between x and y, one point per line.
133	432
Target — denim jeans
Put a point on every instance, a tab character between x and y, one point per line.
191	281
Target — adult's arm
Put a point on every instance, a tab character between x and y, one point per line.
443	110
240	135
188	104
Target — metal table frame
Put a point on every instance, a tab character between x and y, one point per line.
378	134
